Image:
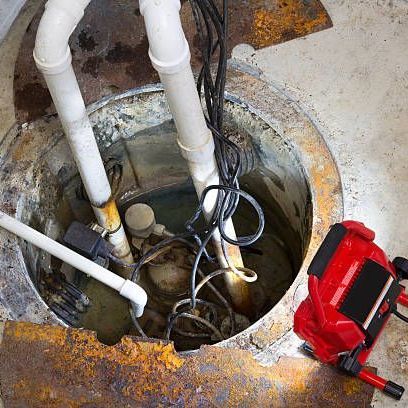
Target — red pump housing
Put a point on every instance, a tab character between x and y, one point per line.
353	289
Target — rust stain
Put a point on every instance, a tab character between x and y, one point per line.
109	58
291	19
85	41
263	337
326	186
111	216
91	66
240	294
350	386
23	146
33	98
60	367
238	289
48	334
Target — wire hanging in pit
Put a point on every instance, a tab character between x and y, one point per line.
212	29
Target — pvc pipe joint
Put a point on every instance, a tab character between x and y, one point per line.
52	54
168	50
200	154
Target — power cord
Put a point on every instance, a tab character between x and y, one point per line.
212	29
400	315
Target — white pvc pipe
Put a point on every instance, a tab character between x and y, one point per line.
170	55
53	58
126	288
74	119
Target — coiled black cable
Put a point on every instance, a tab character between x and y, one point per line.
212	29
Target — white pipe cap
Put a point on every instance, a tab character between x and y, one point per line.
140	220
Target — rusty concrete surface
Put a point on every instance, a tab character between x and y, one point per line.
110	46
264	338
47	366
291	129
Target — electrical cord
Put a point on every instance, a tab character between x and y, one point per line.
212	28
223	301
240	241
136	323
198	319
206	281
400	315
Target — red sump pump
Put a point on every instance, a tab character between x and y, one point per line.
353	289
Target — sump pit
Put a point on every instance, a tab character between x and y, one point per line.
145	166
137	140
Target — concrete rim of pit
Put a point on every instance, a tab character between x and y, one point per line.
287	119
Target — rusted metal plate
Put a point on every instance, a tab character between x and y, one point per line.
110	46
51	366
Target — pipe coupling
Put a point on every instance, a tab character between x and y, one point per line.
53	68
56	26
174	66
169	51
201	154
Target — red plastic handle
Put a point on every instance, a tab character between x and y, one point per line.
372	379
403	299
388	387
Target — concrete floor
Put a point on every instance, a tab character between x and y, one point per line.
352	80
9	10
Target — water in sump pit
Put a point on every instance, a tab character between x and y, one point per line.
275	256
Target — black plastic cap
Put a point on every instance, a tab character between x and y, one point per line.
83	240
394	390
307	348
401	265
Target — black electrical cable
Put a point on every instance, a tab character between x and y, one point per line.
212	29
241	241
172	319
400	315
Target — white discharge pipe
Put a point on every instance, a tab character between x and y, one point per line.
53	58
126	288
170	55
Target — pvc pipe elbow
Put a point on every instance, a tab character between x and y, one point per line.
168	48
126	288
136	295
51	53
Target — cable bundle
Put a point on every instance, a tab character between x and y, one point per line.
212	28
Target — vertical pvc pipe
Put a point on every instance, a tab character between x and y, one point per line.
53	58
170	56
